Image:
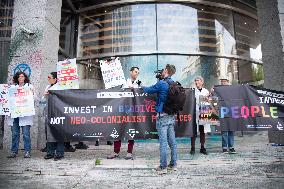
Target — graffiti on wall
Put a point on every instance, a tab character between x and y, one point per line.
27	62
23	67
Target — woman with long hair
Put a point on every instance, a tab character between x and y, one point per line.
21	79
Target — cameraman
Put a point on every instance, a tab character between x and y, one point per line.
165	123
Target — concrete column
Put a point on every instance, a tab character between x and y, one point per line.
38	51
271	27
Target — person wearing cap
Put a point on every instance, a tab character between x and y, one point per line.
199	91
227	136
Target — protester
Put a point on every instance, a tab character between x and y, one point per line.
54	149
131	82
20	79
199	91
227	136
165	123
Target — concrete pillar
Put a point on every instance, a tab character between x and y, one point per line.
271	27
38	51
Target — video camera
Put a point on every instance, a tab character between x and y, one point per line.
159	74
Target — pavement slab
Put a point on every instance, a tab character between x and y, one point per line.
257	164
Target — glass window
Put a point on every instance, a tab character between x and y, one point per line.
68	33
247	5
210	68
247	36
147	65
250	73
6	19
130	28
190	29
90	74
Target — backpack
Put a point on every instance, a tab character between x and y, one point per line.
175	99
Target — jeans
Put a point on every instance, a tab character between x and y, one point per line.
16	136
166	131
55	146
227	139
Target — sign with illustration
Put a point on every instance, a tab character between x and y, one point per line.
67	75
21	101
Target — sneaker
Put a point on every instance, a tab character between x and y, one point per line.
192	151
112	156
203	151
172	168
232	151
56	158
48	156
128	156
225	151
27	155
12	155
161	171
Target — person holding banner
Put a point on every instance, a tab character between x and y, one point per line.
21	81
165	122
131	82
54	149
227	136
199	91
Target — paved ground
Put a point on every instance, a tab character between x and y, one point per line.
257	165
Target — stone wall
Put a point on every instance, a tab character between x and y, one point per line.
271	27
38	52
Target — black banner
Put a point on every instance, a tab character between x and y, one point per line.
82	115
244	107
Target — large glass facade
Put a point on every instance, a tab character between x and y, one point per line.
198	39
194	28
211	38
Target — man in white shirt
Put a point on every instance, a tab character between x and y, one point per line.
131	82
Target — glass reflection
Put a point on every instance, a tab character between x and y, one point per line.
190	29
130	28
247	36
210	68
147	65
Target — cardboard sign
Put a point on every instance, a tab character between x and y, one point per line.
67	75
112	73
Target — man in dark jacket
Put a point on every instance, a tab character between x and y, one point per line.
165	122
